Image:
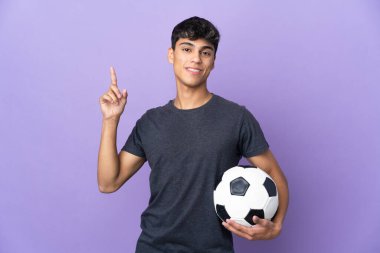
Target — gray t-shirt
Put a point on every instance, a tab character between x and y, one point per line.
188	151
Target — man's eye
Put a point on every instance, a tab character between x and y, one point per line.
187	50
206	53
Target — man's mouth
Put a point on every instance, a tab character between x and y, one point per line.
193	70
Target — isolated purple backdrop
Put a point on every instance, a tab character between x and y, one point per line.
308	70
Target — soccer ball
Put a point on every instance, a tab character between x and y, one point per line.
245	191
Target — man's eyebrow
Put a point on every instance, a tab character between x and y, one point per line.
187	43
208	47
192	45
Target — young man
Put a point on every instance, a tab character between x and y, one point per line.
188	143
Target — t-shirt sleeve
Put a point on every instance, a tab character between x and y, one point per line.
251	138
134	144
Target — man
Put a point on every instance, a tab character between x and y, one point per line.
188	143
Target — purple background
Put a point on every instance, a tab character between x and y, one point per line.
308	70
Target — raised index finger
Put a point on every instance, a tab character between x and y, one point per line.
113	77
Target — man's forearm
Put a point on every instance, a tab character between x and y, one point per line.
108	159
269	164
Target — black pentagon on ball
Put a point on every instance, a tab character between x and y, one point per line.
270	187
258	212
239	186
222	212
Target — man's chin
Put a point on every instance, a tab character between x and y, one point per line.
194	85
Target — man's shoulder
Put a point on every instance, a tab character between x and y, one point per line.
229	104
155	111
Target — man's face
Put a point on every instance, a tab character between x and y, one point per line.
192	61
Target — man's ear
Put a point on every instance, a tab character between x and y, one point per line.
171	55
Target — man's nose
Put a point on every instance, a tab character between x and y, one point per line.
196	58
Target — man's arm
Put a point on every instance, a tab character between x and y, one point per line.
265	229
114	170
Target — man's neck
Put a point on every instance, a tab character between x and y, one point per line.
191	98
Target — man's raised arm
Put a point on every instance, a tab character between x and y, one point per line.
113	169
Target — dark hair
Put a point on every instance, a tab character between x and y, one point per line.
196	28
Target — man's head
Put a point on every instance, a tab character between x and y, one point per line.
196	28
194	44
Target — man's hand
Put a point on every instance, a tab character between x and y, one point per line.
112	102
263	230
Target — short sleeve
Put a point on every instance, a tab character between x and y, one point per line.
251	138
134	144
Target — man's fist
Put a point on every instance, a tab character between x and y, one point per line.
112	102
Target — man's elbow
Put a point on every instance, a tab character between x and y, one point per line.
106	189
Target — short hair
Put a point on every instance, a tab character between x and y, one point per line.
196	28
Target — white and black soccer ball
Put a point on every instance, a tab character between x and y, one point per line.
245	191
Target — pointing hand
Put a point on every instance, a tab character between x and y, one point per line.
112	102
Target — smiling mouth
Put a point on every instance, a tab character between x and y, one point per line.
192	70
